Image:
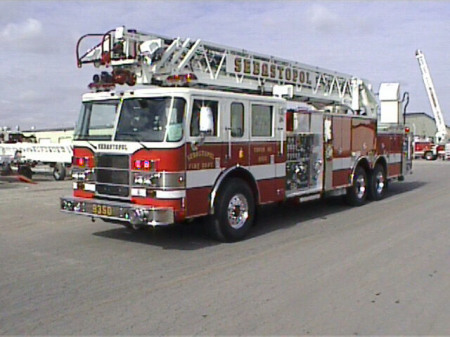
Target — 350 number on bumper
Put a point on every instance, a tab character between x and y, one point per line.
136	215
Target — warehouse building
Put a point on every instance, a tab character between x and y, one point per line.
422	125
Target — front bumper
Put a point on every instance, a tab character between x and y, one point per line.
136	215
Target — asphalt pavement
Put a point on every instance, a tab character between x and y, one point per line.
320	268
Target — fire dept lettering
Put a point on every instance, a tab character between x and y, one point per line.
201	160
269	70
200	154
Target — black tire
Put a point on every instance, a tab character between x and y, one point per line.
234	212
378	183
357	193
25	171
429	156
59	171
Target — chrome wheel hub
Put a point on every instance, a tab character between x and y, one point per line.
360	187
237	211
379	182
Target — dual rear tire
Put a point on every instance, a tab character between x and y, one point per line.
365	186
378	183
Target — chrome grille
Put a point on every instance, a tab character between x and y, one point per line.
113	175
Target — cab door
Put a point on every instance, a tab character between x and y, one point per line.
204	154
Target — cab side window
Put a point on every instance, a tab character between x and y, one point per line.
262	120
195	118
237	120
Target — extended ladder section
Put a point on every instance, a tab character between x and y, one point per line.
141	58
441	135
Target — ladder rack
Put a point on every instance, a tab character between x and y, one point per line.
141	58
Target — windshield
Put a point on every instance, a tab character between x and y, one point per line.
154	119
96	120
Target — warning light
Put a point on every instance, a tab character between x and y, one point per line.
138	164
102	82
122	76
80	161
181	79
407	130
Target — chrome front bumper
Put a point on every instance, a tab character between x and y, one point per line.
136	215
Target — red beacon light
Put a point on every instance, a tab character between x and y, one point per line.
102	82
184	79
122	76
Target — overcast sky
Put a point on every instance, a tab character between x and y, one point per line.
41	85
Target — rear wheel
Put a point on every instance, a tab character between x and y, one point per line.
378	183
357	193
234	212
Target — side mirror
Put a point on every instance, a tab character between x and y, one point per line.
206	120
206	126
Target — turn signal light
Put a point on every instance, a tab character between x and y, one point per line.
80	161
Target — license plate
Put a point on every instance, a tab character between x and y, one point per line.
102	210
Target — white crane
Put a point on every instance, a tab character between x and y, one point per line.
441	134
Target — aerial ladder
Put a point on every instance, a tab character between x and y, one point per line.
150	59
441	134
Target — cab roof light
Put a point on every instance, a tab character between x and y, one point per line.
102	82
181	79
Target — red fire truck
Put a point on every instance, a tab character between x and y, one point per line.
207	130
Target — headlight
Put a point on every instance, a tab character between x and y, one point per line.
138	180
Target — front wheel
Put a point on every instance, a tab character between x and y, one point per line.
378	183
357	193
234	212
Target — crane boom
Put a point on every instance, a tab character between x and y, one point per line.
441	134
143	58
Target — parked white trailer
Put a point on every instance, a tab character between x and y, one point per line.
28	155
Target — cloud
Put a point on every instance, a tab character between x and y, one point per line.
24	31
27	35
323	19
